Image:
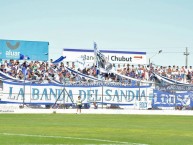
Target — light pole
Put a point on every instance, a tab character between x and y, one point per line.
186	54
160	51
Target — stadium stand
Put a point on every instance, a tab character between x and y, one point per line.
46	72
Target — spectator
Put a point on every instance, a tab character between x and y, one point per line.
44	72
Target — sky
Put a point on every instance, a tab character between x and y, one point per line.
129	25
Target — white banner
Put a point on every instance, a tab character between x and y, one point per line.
47	94
130	57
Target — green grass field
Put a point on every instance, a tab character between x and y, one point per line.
48	129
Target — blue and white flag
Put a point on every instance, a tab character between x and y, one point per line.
24	71
101	60
106	67
169	81
95	54
60	59
23	57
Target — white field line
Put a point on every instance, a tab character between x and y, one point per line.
76	138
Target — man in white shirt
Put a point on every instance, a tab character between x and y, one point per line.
79	104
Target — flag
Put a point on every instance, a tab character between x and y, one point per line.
24	71
101	60
23	57
106	67
60	59
95	54
95	45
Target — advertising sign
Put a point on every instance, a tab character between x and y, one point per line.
130	57
23	50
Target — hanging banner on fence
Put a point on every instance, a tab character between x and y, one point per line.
175	88
168	99
47	94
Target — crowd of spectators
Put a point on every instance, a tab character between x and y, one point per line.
46	72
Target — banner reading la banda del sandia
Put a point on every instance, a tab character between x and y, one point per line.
48	93
19	49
